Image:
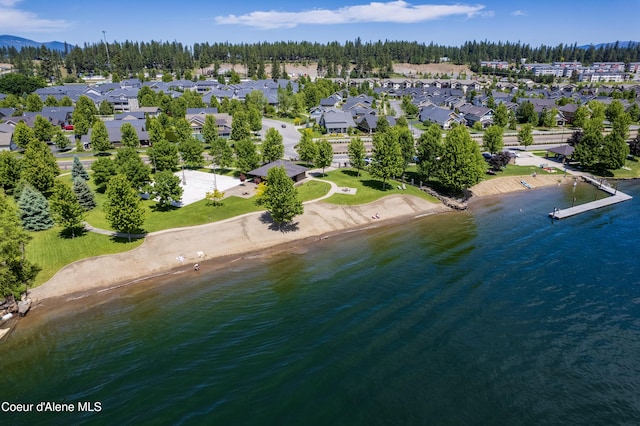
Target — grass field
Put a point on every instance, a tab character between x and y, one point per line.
368	188
50	251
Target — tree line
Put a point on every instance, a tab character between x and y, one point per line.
351	58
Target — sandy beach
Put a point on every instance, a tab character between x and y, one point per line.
180	249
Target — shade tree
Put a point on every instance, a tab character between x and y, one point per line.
66	209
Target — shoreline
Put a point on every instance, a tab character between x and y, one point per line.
223	242
248	236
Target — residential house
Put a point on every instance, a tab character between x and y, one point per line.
369	122
444	117
336	121
477	114
6	133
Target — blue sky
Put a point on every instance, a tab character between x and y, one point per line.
535	22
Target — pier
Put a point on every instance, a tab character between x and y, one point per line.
616	197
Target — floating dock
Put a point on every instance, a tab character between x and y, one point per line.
616	197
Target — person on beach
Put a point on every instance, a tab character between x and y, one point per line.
196	267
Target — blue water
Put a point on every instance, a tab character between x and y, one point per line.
492	316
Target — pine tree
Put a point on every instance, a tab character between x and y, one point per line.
34	210
66	209
78	171
16	272
84	194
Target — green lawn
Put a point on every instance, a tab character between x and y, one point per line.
50	251
312	189
513	170
368	188
633	171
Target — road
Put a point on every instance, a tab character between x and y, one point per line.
290	135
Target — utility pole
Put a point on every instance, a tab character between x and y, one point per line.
106	47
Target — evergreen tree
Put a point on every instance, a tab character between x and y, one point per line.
324	155
66	208
34	210
123	207
103	170
166	188
84	194
16	272
461	165
129	136
272	146
99	137
357	154
281	197
306	148
77	170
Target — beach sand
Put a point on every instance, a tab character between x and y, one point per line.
180	249
249	235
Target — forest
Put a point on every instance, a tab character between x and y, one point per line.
351	58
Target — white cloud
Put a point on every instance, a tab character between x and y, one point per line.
13	19
519	13
395	11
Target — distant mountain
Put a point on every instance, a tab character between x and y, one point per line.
19	43
621	44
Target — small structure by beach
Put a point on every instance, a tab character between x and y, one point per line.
294	171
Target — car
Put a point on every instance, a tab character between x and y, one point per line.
68	127
283	126
486	155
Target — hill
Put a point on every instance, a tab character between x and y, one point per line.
19	43
621	44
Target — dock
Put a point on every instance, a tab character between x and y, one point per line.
616	197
